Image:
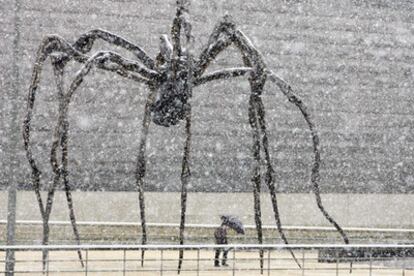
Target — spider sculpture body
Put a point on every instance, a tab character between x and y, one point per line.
171	77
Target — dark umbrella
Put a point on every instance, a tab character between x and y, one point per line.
234	223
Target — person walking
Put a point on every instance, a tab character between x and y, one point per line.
220	236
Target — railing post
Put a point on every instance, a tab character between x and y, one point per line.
11	229
234	261
124	263
47	264
198	262
370	263
86	261
404	262
162	262
337	262
303	262
268	263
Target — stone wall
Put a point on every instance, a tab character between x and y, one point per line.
350	61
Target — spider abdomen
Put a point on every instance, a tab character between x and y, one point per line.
171	103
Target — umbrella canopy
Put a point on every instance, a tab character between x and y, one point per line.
233	222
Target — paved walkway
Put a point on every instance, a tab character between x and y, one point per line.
109	263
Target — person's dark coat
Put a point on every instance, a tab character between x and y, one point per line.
221	235
221	238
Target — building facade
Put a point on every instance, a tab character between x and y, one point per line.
350	61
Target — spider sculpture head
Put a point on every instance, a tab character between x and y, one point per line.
173	89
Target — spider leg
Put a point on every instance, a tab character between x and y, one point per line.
223	75
255	66
185	171
225	34
243	43
256	179
55	167
64	149
106	60
51	44
288	92
183	48
64	156
113	62
269	177
85	43
185	178
59	170
257	84
55	45
141	168
218	41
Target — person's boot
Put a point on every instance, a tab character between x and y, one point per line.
216	263
223	263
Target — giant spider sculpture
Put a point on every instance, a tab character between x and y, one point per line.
171	78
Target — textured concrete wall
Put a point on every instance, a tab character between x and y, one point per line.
350	61
350	210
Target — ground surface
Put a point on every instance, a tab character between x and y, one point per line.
112	263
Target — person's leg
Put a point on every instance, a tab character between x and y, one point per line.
223	262
217	258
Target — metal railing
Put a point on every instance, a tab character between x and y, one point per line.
126	232
213	226
243	259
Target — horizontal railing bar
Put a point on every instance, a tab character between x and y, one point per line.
103	270
203	246
167	270
204	270
286	227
